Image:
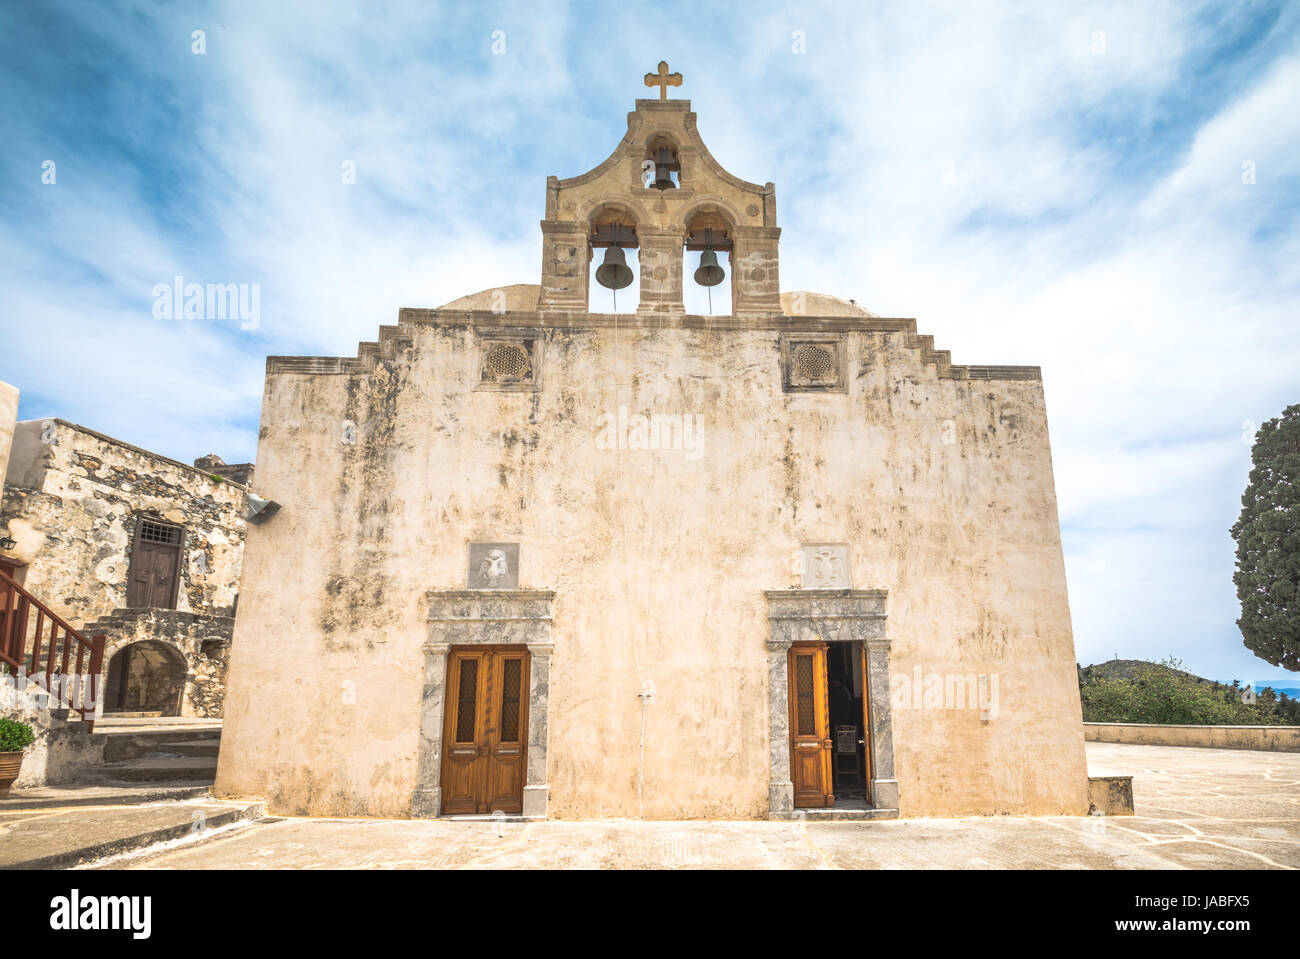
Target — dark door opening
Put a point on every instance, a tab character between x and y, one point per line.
850	753
147	676
830	752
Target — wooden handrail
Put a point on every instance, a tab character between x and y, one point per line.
23	656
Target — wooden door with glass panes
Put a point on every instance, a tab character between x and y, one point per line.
810	736
485	730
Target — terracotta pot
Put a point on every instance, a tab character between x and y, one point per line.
10	763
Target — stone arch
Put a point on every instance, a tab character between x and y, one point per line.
704	204
666	147
648	137
710	223
146	676
597	207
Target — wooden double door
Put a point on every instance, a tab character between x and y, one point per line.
811	744
485	734
154	576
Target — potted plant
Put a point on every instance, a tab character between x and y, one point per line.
14	738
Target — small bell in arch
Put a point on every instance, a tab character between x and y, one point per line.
663	170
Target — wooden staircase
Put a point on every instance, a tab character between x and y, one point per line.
44	648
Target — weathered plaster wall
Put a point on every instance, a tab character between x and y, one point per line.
72	498
659	559
8	419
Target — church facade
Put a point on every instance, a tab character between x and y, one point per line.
538	560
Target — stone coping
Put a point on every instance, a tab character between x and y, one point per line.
1270	738
1192	726
207	474
393	339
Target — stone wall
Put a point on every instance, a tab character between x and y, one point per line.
72	499
203	645
1278	738
938	477
62	749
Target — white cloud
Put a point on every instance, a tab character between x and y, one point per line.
1095	223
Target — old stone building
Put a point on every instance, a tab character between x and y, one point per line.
549	561
138	547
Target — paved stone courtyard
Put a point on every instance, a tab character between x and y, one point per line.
1195	808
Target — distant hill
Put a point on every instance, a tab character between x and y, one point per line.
1137	691
1132	668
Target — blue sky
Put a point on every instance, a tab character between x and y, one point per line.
1053	184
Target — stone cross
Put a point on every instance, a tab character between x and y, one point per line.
663	79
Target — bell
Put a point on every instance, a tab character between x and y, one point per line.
663	170
709	273
614	273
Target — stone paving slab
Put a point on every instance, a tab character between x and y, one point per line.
1194	808
68	836
916	844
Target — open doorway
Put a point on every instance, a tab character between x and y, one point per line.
850	759
830	759
147	676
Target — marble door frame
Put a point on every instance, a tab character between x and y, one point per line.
828	615
478	617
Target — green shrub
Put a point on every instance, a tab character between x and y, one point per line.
14	736
1166	694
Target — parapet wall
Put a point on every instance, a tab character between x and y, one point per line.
1284	739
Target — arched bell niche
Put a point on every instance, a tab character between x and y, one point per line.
613	247
708	230
666	172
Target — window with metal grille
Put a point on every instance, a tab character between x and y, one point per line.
510	684
803	690
151	532
467	701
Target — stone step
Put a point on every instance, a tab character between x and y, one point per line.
845	815
154	715
79	796
108	721
183	769
121	747
63	839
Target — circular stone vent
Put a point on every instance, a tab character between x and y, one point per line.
507	362
814	362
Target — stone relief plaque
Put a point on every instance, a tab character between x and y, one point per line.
826	566
493	566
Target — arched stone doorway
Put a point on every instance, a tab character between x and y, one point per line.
147	676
